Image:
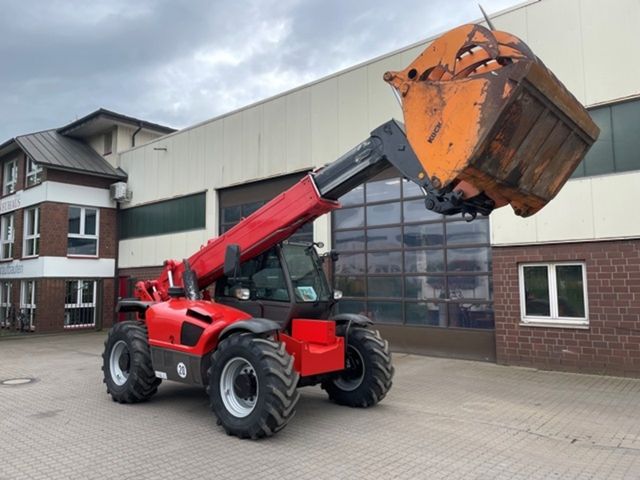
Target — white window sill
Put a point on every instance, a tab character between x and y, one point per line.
554	324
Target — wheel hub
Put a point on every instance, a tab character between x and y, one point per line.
124	362
245	385
239	387
353	374
119	363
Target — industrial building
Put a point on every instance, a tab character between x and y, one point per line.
560	290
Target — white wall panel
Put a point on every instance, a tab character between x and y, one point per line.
514	22
554	34
274	126
153	174
252	139
585	209
352	109
298	134
615	201
381	102
60	267
232	162
609	37
324	121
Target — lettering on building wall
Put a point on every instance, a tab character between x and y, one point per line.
10	203
11	269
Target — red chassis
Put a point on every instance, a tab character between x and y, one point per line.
313	343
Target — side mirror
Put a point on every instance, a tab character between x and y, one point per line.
232	260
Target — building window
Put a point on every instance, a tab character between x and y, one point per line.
554	294
401	263
31	232
231	216
6	309
159	218
615	150
27	316
83	231
34	172
108	143
80	303
6	236
10	177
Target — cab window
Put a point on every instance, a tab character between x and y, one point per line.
263	276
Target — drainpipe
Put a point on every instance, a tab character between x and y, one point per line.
133	137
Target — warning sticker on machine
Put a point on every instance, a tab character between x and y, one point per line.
182	370
161	375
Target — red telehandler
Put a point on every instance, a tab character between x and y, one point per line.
486	125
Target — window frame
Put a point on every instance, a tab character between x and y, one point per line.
80	304
457	312
11	235
554	319
96	236
33	173
29	308
9	188
6	303
35	237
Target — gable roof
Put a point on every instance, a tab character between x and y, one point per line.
56	151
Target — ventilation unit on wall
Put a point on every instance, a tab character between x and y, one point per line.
120	192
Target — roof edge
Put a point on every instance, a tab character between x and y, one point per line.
121	176
117	117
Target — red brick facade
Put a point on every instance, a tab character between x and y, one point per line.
50	292
54	219
77	179
50	301
610	345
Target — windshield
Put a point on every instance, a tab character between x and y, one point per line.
308	279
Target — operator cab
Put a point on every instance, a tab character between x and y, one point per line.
284	282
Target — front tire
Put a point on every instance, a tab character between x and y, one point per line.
126	364
252	386
368	373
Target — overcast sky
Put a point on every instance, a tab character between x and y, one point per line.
180	62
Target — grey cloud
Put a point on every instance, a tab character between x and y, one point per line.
179	62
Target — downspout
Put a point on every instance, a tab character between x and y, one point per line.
133	137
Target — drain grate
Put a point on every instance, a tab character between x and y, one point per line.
13	382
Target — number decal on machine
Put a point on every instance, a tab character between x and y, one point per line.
182	370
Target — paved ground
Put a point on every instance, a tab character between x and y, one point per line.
443	419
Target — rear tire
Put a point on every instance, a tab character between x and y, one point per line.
368	374
252	386
126	364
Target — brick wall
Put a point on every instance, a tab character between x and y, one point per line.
50	301
610	345
77	178
54	226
